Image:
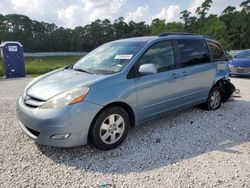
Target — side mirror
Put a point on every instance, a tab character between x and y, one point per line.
147	69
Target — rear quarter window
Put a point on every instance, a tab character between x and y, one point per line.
192	52
216	51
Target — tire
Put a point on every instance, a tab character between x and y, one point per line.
214	99
109	128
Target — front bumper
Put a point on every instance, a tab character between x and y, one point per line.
42	124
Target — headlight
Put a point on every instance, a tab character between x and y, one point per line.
66	98
230	66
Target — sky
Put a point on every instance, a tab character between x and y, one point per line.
71	13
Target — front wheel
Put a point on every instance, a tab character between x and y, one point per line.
110	128
214	99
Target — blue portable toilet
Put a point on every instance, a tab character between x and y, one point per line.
13	60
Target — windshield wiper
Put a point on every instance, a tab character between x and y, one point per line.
68	67
81	70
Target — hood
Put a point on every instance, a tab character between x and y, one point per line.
56	82
240	62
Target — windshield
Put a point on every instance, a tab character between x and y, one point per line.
108	58
244	54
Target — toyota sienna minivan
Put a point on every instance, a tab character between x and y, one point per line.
121	84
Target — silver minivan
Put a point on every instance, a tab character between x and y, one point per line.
121	84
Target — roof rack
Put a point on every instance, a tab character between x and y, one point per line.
175	33
184	33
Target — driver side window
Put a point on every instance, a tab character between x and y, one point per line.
161	55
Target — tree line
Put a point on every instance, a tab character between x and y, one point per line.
231	28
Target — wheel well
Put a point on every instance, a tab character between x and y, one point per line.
218	83
226	88
221	83
123	105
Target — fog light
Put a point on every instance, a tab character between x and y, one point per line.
60	136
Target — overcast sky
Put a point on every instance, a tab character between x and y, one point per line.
71	13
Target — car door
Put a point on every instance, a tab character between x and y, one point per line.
197	69
160	92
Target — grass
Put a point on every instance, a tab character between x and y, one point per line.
39	65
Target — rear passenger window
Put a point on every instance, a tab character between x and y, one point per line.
160	54
216	51
193	52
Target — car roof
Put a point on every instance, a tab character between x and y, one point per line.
137	39
167	36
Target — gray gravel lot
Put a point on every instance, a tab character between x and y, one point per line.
191	148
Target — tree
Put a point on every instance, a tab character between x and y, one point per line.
227	17
60	40
229	10
203	9
158	26
237	23
175	27
214	27
120	28
239	31
190	22
245	5
138	29
185	16
231	28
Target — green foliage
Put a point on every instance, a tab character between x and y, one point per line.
157	26
237	25
214	27
245	5
175	27
203	9
160	26
231	28
41	65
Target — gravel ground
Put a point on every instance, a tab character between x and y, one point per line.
191	148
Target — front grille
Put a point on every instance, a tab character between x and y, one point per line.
240	70
36	133
32	102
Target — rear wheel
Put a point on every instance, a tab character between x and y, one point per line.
214	99
110	128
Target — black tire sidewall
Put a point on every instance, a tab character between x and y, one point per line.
94	135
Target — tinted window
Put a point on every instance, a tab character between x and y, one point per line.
193	52
216	51
160	54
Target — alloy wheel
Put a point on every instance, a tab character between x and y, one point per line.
215	99
112	129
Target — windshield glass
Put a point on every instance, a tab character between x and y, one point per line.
244	54
108	58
